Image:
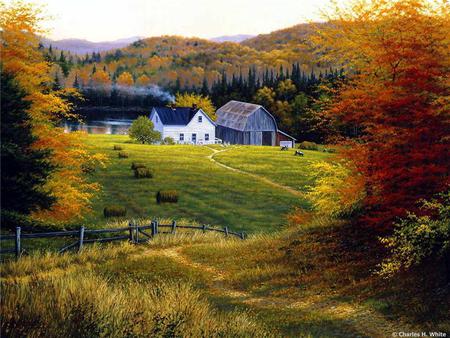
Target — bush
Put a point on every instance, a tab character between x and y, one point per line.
136	165
115	211
88	168
420	239
308	145
117	147
142	130
143	173
123	154
168	141
167	196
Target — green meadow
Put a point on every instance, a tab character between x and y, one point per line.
209	193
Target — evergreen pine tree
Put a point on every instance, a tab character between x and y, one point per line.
24	169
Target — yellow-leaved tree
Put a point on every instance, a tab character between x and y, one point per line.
21	27
203	102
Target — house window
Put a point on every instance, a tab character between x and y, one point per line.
206	137
156	118
194	138
181	137
200	119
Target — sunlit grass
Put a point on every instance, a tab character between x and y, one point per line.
208	193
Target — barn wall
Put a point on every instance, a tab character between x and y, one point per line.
260	121
229	135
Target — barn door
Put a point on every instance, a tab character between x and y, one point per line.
266	138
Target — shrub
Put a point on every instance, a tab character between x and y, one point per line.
337	190
117	147
115	211
88	168
123	154
168	141
136	165
142	130
167	196
419	239
143	173
308	145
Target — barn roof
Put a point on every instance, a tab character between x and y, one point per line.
235	114
178	116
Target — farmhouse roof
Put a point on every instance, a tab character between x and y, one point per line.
235	114
177	116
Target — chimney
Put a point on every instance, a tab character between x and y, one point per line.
194	106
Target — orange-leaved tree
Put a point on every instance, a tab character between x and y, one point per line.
21	57
397	58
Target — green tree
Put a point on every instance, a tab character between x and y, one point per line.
286	90
25	170
265	96
142	130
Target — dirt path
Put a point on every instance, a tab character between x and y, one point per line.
258	177
357	318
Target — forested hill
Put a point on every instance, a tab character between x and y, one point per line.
186	63
292	37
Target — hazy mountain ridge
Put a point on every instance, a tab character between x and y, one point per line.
82	46
232	38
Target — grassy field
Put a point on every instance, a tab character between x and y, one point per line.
279	166
209	193
313	279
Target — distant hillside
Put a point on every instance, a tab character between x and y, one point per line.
283	38
232	38
79	46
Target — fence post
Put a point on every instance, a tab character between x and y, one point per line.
18	249
242	235
136	231
156	227
204	228
130	230
174	226
226	231
80	243
153	228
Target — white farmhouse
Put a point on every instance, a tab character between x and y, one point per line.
184	124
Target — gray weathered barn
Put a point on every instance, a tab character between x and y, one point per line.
247	123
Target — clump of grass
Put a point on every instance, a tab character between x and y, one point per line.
136	165
87	305
123	154
167	196
117	147
143	173
114	211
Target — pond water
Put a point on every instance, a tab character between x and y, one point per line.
116	123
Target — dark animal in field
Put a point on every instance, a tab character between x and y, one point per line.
284	148
298	153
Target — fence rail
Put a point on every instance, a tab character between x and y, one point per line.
133	233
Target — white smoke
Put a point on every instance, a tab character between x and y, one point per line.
152	90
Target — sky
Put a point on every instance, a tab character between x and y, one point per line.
106	20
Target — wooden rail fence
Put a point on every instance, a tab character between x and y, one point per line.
133	235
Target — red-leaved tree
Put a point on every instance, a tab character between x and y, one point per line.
397	58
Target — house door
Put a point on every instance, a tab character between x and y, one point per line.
266	138
194	138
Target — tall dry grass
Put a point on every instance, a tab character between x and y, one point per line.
49	295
